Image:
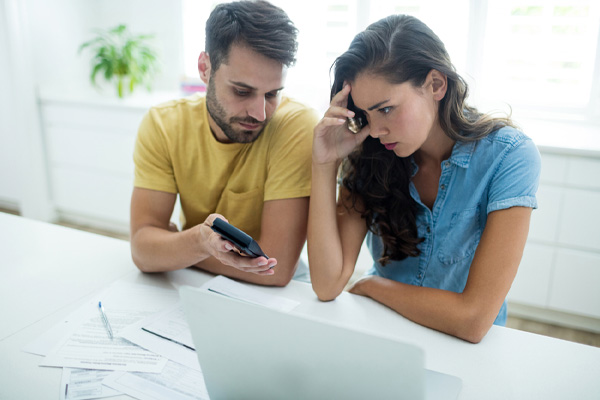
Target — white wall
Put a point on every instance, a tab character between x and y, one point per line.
9	192
24	167
39	42
59	27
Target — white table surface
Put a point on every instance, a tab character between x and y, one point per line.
48	271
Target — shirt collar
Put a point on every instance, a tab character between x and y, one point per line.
461	153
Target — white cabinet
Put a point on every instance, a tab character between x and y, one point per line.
89	146
576	284
560	271
532	284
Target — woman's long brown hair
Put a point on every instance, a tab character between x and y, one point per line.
401	48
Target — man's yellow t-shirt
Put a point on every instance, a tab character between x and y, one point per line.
176	152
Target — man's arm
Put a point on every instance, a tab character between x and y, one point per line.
156	248
283	232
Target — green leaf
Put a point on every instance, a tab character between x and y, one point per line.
119	55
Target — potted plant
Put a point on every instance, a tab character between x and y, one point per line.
126	59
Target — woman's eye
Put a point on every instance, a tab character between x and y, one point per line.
385	110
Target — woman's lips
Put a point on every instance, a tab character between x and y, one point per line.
390	146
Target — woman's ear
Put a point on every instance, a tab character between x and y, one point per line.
204	67
439	84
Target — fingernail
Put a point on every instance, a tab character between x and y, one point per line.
228	246
350	113
263	262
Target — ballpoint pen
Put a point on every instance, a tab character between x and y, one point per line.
105	320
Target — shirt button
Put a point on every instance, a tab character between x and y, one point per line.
419	276
443	187
447	164
428	229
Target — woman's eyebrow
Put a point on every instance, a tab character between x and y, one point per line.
378	105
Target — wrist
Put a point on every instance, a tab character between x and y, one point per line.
198	241
326	168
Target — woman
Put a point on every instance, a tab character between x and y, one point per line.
444	192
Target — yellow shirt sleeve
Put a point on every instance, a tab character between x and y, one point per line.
153	166
290	154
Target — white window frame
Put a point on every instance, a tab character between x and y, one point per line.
474	67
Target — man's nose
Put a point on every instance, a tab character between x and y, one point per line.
257	109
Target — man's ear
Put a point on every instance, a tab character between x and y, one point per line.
204	67
439	84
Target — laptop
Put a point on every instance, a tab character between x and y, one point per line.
247	351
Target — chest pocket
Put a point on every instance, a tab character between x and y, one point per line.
243	210
462	238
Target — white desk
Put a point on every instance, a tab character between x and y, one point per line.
47	271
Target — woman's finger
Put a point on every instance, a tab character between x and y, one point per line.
340	112
341	98
331	121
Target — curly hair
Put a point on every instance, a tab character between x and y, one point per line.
401	48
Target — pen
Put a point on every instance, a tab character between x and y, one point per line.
105	320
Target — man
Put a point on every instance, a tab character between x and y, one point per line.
242	153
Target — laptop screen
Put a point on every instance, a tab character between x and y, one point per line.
249	351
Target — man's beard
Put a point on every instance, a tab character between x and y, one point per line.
218	114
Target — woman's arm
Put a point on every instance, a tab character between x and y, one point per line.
470	314
335	234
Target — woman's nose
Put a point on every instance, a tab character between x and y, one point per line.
377	130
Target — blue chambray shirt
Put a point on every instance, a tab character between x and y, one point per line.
497	172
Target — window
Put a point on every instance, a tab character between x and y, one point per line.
542	54
536	55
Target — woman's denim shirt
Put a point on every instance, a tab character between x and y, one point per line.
500	171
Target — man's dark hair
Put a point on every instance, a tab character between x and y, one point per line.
258	25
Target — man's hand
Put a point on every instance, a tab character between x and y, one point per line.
226	252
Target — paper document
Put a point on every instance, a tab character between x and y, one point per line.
241	291
90	347
171	325
176	382
129	296
166	333
87	345
84	384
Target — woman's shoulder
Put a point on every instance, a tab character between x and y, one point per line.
509	140
508	146
508	136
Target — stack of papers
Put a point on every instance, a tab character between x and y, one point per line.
151	355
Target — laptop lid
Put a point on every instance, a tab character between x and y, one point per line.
250	351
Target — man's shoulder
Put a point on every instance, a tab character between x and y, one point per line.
291	109
177	106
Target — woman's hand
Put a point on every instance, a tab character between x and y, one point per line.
359	286
333	141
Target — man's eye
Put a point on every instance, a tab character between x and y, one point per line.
271	95
241	92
